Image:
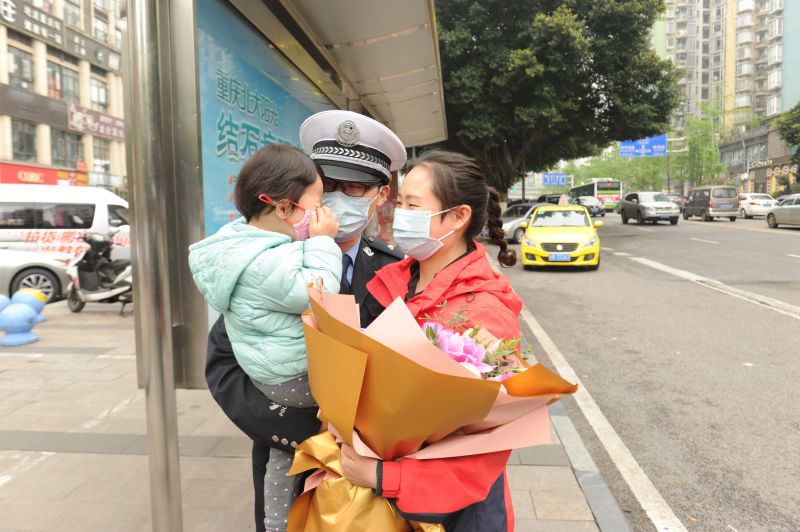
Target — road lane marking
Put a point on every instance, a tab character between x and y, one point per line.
793	256
607	248
644	229
745	295
622	254
739	227
703	240
654	505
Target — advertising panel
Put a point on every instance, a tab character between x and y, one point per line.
96	123
35	175
250	96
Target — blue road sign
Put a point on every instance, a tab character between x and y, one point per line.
649	147
554	179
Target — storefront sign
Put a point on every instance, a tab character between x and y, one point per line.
32	21
250	96
91	50
96	123
35	175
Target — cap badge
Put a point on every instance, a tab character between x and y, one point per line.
347	133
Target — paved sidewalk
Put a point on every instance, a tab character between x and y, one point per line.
73	443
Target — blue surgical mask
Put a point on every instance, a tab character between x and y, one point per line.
412	232
351	213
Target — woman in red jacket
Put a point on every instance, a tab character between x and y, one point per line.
442	206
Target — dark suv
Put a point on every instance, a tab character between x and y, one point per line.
717	201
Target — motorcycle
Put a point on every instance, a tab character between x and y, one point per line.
95	278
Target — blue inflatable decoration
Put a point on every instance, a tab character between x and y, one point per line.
19	315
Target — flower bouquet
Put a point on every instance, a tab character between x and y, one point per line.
391	391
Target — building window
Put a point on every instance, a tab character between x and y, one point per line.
102	5
774	105
20	68
776	27
72	13
100	29
23	140
774	79
98	93
744	36
102	155
774	54
62	83
44	5
67	148
744	69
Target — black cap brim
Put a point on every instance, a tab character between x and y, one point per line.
348	172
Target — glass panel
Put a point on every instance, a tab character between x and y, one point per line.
20	68
23	140
70	216
16	216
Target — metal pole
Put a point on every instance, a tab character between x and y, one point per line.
151	178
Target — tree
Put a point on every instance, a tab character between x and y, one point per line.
531	82
789	129
701	163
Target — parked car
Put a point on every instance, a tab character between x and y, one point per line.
786	212
755	204
514	216
561	235
592	204
53	218
648	207
43	270
677	199
709	202
553	199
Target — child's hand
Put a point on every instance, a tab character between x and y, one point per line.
324	223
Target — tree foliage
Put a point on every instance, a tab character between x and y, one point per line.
531	82
789	129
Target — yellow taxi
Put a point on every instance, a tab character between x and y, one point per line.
561	235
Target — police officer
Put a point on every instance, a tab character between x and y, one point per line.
356	155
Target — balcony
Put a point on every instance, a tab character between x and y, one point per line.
745	5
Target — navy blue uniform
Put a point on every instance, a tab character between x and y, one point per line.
268	425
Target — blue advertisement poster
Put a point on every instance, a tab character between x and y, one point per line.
649	147
250	96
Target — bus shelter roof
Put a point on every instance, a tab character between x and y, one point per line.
387	54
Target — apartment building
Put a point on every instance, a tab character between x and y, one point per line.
61	106
697	41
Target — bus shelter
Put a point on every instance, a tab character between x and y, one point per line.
208	82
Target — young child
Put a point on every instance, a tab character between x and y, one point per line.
255	271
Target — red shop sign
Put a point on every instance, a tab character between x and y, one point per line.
27	175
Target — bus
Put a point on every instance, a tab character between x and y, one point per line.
609	191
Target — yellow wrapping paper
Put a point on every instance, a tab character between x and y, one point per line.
337	505
397	406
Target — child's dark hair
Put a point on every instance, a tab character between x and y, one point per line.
459	180
277	170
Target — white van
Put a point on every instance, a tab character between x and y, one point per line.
52	218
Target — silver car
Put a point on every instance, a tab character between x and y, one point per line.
787	212
515	215
43	270
751	204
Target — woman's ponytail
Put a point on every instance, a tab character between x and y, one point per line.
506	257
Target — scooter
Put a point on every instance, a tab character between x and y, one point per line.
95	278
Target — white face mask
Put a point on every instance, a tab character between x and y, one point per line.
412	232
351	213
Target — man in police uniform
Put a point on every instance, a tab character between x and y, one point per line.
357	155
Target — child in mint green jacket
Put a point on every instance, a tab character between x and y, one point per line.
255	271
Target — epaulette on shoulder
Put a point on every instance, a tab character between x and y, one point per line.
382	247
